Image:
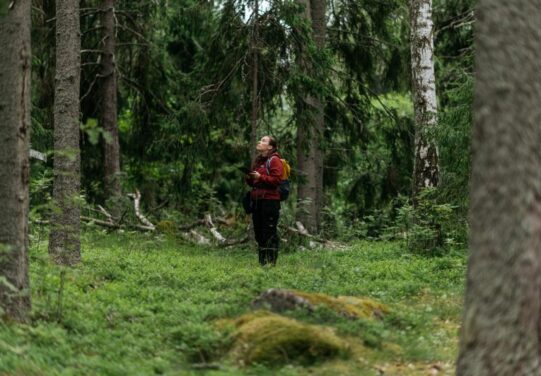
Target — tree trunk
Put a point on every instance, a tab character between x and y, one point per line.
425	170
64	241
319	27
255	94
501	332
15	55
108	104
310	126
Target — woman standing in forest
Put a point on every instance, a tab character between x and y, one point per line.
265	179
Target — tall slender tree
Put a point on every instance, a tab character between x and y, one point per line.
425	170
15	58
501	324
310	126
255	78
64	240
108	102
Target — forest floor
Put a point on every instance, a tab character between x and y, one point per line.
142	305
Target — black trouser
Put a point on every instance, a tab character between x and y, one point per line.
265	219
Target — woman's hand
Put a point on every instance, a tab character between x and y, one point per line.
255	175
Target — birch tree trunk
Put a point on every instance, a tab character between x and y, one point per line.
425	170
501	332
15	58
108	104
64	241
310	126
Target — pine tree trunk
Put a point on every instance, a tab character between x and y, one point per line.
319	27
310	126
15	58
64	241
108	105
501	329
425	170
43	72
255	77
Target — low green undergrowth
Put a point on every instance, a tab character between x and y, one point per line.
141	305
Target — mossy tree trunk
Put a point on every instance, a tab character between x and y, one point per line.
425	170
15	58
310	126
501	332
64	240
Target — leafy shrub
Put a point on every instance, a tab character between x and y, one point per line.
429	227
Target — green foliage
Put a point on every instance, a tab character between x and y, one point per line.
184	105
141	305
93	132
429	227
455	54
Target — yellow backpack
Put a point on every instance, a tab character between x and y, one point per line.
284	187
287	170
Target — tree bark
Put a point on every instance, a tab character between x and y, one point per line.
425	170
310	126
108	105
15	55
64	240
501	332
255	77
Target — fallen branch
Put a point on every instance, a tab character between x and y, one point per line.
230	243
38	155
302	229
106	214
200	239
136	205
213	229
114	226
192	225
100	222
296	231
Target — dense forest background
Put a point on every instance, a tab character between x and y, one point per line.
124	245
185	110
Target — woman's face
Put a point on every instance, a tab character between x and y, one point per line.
263	146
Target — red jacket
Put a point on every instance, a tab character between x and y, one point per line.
266	188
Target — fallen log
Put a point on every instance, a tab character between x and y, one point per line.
137	207
200	239
302	229
106	214
213	230
230	243
114	226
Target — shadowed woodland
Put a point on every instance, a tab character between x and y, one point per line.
129	133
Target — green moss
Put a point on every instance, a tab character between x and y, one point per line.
272	339
166	227
349	306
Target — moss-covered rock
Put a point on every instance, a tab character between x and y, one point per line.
267	338
280	300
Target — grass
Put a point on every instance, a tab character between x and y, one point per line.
142	305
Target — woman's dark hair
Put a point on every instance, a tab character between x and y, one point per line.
272	142
260	159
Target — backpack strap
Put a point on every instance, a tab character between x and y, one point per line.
267	164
